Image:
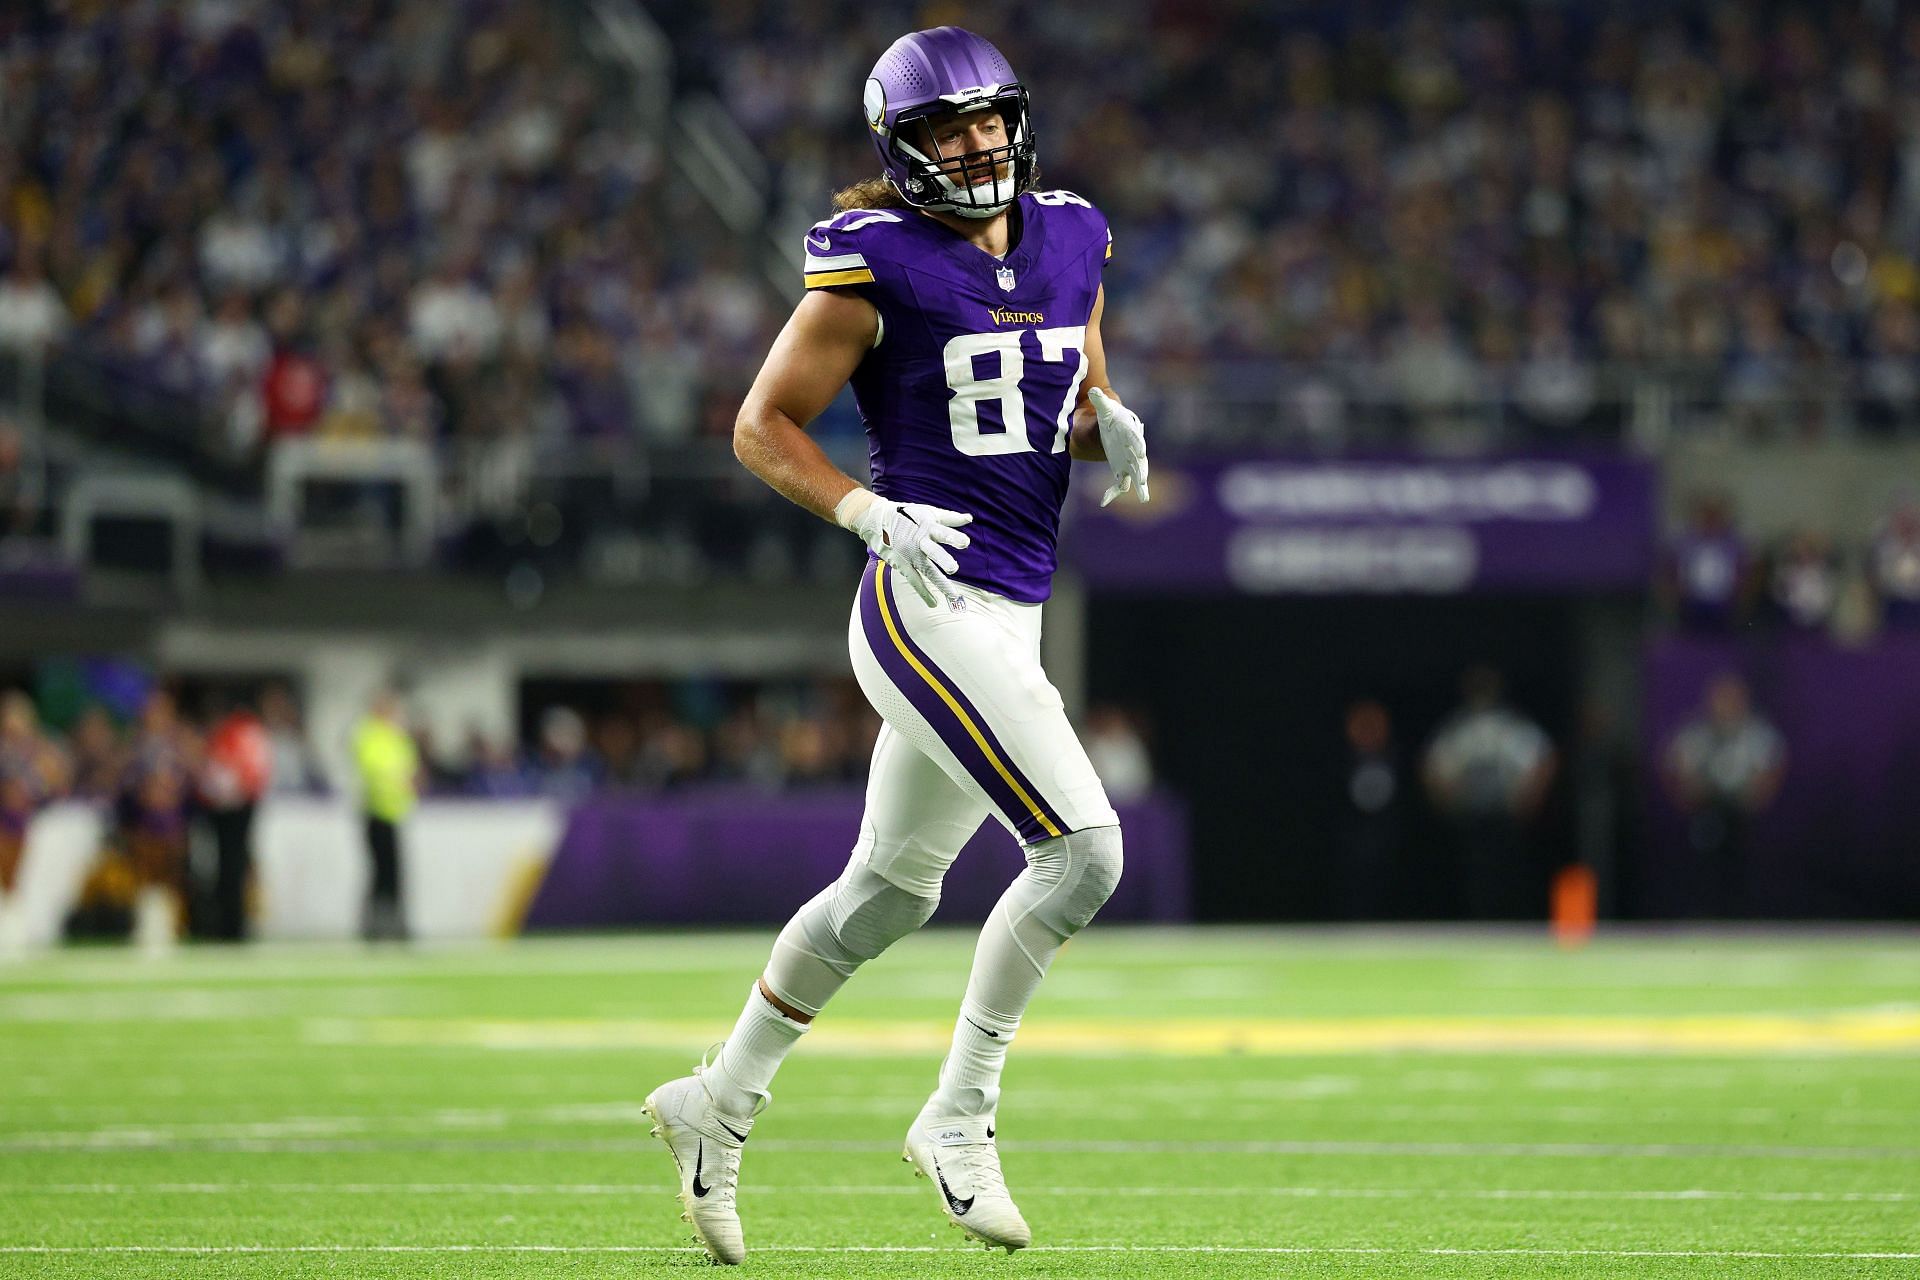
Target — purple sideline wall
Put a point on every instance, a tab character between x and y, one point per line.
1843	837
729	856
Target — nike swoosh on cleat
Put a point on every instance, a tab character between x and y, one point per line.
983	1031
699	1191
954	1203
730	1129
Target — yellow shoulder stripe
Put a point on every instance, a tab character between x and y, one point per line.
829	279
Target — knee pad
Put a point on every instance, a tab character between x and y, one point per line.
846	924
1073	875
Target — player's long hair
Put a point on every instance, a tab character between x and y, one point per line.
877	193
869	193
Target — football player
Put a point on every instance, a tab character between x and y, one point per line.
964	307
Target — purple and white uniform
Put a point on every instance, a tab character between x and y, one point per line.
968	397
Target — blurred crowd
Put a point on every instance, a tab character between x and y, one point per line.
361	219
1384	223
1436	206
771	736
1715	579
646	736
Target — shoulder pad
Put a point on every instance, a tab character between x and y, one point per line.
838	247
1083	211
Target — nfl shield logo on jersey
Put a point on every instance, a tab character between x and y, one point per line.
1005	276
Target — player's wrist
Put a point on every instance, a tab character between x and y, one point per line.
849	510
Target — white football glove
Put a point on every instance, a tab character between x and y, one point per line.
912	537
1124	439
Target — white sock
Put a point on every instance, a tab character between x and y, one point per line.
970	1077
738	1079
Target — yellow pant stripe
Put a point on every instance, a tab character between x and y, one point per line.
966	721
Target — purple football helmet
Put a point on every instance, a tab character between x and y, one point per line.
929	73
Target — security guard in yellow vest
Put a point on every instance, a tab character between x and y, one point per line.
389	768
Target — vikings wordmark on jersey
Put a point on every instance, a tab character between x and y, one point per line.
969	393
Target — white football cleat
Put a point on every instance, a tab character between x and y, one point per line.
958	1154
705	1143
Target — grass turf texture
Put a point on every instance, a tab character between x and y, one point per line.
1217	1103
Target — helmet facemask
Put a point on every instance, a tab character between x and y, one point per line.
972	184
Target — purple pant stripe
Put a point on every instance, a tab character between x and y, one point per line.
986	730
939	715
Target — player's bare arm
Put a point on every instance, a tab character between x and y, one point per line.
822	344
1084	441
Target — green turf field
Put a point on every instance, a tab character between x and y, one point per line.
1301	1103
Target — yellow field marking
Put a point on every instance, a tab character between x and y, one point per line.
1844	1031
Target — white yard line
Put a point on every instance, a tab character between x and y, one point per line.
358	1133
598	1115
1303	1250
1250	1106
1683	1195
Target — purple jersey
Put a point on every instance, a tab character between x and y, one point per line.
969	393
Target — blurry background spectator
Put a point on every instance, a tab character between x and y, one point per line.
1804	585
235	774
32	316
1709	568
99	756
293	766
1894	565
19	513
156	797
1118	751
390	776
1488	770
1724	768
1372	817
569	769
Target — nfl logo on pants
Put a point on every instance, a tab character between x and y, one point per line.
1005	276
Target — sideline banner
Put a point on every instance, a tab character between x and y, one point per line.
486	868
1268	526
731	856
